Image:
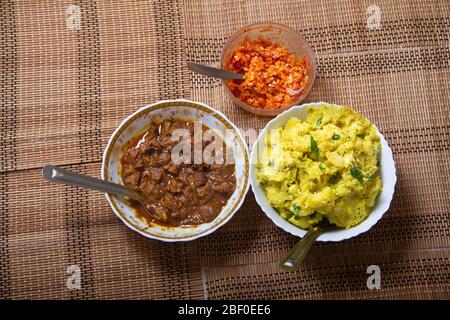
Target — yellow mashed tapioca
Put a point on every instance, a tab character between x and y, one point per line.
324	167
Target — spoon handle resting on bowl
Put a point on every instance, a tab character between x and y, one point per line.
62	176
298	253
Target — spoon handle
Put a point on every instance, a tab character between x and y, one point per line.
298	253
62	176
214	72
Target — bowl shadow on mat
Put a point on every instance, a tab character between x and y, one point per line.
238	238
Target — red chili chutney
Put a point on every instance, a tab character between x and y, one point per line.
273	77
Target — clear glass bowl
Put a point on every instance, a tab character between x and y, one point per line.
282	35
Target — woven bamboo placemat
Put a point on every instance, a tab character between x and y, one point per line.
64	87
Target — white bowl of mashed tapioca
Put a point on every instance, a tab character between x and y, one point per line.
319	163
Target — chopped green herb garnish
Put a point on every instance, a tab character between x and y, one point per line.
336	136
314	148
361	135
296	208
270	163
289	215
357	174
379	159
319	122
321	167
335	178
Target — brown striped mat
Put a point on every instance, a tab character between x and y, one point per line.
66	84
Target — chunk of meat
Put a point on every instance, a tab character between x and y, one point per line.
150	145
223	187
207	212
132	154
161	213
199	179
154	174
132	159
187	197
132	179
170	202
163	158
173	168
204	190
194	218
128	169
149	160
180	213
216	176
175	186
186	174
151	190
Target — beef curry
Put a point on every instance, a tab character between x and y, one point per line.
184	194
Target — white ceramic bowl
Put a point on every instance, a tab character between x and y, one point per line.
138	123
388	178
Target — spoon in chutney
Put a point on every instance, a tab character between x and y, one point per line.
62	176
214	72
